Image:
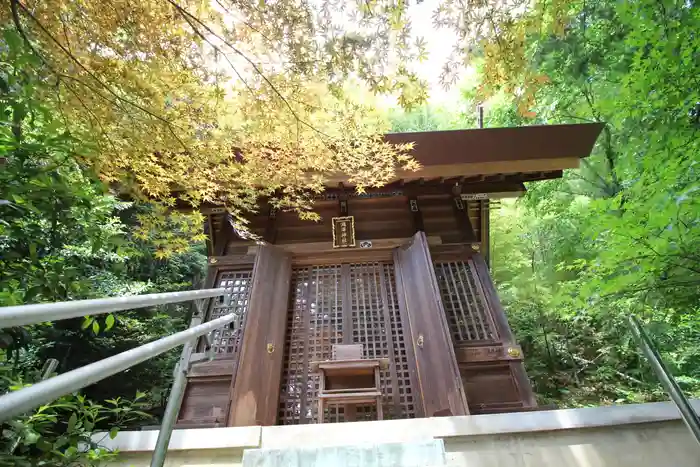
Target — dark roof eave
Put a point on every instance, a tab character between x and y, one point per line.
501	144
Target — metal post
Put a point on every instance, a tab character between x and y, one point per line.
689	416
172	409
177	391
18	402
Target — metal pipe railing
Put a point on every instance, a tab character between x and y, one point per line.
172	409
18	402
690	417
30	314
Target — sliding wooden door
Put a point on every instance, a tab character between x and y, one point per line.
440	384
254	395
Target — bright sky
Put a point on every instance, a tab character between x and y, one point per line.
439	45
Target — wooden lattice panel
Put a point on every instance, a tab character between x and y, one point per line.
468	315
227	341
325	302
314	325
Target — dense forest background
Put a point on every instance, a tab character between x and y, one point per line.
572	258
621	235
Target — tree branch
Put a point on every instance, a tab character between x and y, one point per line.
186	14
17	3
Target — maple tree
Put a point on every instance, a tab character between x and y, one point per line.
223	101
576	256
498	34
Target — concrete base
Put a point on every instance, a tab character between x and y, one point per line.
418	454
642	435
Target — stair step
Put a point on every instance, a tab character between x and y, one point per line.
430	453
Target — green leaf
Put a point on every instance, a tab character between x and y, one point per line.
95	327
86	322
30	437
44	445
109	322
139	395
12	39
72	421
113	432
60	442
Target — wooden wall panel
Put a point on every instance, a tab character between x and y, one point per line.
255	394
441	220
491	388
440	384
438	217
206	402
375	219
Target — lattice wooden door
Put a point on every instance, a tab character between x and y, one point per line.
336	304
468	315
489	360
227	341
207	396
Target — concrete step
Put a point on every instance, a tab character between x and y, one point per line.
430	453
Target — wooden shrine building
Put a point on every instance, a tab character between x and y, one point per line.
398	275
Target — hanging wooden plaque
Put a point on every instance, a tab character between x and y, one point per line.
343	232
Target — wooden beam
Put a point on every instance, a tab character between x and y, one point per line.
342	201
210	236
485	226
271	228
224	234
502	188
416	214
327	247
483	168
461	212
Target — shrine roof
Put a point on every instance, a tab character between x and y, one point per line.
501	144
494	151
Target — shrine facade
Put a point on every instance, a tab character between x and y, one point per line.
398	274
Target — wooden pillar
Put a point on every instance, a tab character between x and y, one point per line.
256	387
439	381
485	211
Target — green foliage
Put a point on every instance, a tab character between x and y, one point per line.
63	236
619	236
574	257
61	433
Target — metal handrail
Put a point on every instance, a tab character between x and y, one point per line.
23	400
31	314
18	402
690	417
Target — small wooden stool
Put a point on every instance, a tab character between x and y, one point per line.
349	380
